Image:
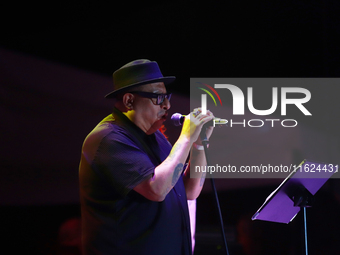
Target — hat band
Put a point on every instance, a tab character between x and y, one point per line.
136	74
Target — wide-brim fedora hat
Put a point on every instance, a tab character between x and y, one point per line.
136	73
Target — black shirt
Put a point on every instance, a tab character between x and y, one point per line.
116	157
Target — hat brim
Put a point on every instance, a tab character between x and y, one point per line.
167	80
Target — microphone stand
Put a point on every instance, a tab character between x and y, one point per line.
205	143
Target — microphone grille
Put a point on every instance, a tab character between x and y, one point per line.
176	119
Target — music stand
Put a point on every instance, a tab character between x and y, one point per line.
295	193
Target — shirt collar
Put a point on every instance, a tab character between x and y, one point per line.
122	120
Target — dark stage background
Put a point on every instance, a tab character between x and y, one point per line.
56	61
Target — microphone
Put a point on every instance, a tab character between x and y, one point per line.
178	119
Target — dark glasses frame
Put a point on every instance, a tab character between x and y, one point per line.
160	97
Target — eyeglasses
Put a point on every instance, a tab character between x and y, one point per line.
159	97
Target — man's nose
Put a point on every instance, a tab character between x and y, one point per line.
166	104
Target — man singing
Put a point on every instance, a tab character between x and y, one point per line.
134	185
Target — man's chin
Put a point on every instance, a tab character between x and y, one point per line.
156	125
160	122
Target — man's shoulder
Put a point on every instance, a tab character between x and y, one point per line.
103	128
106	129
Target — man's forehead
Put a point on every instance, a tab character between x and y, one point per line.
155	87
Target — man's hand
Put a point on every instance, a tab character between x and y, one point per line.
193	124
169	171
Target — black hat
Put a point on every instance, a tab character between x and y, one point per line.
135	73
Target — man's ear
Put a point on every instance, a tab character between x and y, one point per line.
128	100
